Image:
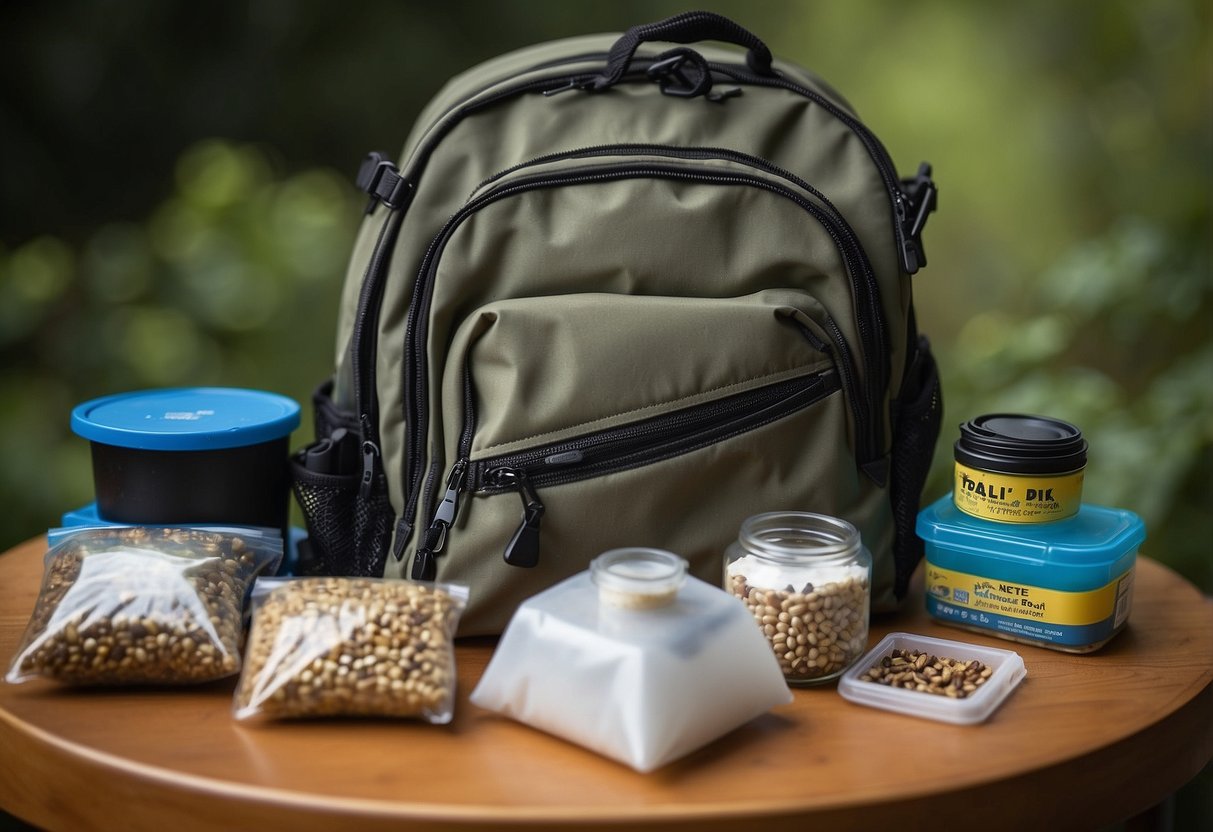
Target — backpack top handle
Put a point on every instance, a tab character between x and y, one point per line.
688	27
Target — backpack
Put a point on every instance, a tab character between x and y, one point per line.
622	294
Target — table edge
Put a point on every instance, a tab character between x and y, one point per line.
451	814
295	804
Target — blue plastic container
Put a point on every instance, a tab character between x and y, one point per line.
203	455
1066	585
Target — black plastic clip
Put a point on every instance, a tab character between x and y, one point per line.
380	178
922	198
682	73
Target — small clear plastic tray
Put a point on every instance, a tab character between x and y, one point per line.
1007	665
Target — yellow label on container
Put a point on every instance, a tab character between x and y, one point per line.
1009	498
1048	606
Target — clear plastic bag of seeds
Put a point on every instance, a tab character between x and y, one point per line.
335	646
143	605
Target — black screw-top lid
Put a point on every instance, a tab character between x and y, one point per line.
1016	444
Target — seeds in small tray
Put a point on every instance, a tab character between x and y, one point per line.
925	673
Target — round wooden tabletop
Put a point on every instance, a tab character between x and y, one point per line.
1084	741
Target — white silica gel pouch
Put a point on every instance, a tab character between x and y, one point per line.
641	686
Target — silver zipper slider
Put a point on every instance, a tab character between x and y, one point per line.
370	460
424	566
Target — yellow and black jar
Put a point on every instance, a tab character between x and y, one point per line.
1013	468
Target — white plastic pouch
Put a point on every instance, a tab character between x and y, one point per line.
142	605
633	660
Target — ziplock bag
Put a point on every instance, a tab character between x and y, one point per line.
138	605
350	647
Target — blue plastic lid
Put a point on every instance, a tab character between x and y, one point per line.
186	419
1094	535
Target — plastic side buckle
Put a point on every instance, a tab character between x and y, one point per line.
923	198
380	178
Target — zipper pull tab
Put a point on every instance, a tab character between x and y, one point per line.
370	460
523	548
575	84
425	564
404	530
425	567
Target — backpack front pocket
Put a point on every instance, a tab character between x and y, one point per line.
519	235
641	419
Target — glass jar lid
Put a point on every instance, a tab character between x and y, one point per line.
638	578
794	536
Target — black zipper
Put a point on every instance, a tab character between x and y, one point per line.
638	71
559	83
655	439
878	371
865	295
416	370
875	148
365	391
605	452
371	291
675	151
449	119
362	356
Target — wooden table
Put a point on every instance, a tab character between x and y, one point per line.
1083	742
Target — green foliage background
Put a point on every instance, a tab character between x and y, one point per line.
175	207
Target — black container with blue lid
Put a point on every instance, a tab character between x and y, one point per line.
190	455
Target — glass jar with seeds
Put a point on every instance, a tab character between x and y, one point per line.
806	579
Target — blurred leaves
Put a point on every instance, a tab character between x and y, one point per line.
1124	349
1070	267
1072	255
232	281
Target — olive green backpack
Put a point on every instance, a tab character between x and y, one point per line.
623	294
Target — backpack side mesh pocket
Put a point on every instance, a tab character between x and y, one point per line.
348	533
